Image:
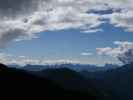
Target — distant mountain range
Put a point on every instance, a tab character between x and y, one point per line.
118	81
76	67
112	83
19	82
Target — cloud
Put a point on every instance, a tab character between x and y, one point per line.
23	19
86	54
123	17
124	20
4	57
20	60
23	60
104	51
123	51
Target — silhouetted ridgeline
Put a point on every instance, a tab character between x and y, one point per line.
112	84
19	82
118	81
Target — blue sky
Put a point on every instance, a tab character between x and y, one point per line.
69	44
77	31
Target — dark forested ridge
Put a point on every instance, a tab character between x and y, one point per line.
118	81
24	83
113	84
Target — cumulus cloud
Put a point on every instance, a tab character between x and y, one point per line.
123	18
22	19
123	51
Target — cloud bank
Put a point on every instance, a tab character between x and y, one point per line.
123	51
23	60
23	19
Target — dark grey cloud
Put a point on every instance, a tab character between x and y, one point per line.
10	36
15	8
126	57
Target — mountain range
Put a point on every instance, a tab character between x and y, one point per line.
118	81
113	81
112	84
20	82
76	67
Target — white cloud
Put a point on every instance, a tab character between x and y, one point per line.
23	60
92	31
4	58
122	46
124	20
105	51
123	51
86	54
22	19
26	18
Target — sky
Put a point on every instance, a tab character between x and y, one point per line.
66	31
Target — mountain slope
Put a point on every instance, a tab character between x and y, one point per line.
14	81
72	80
118	81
